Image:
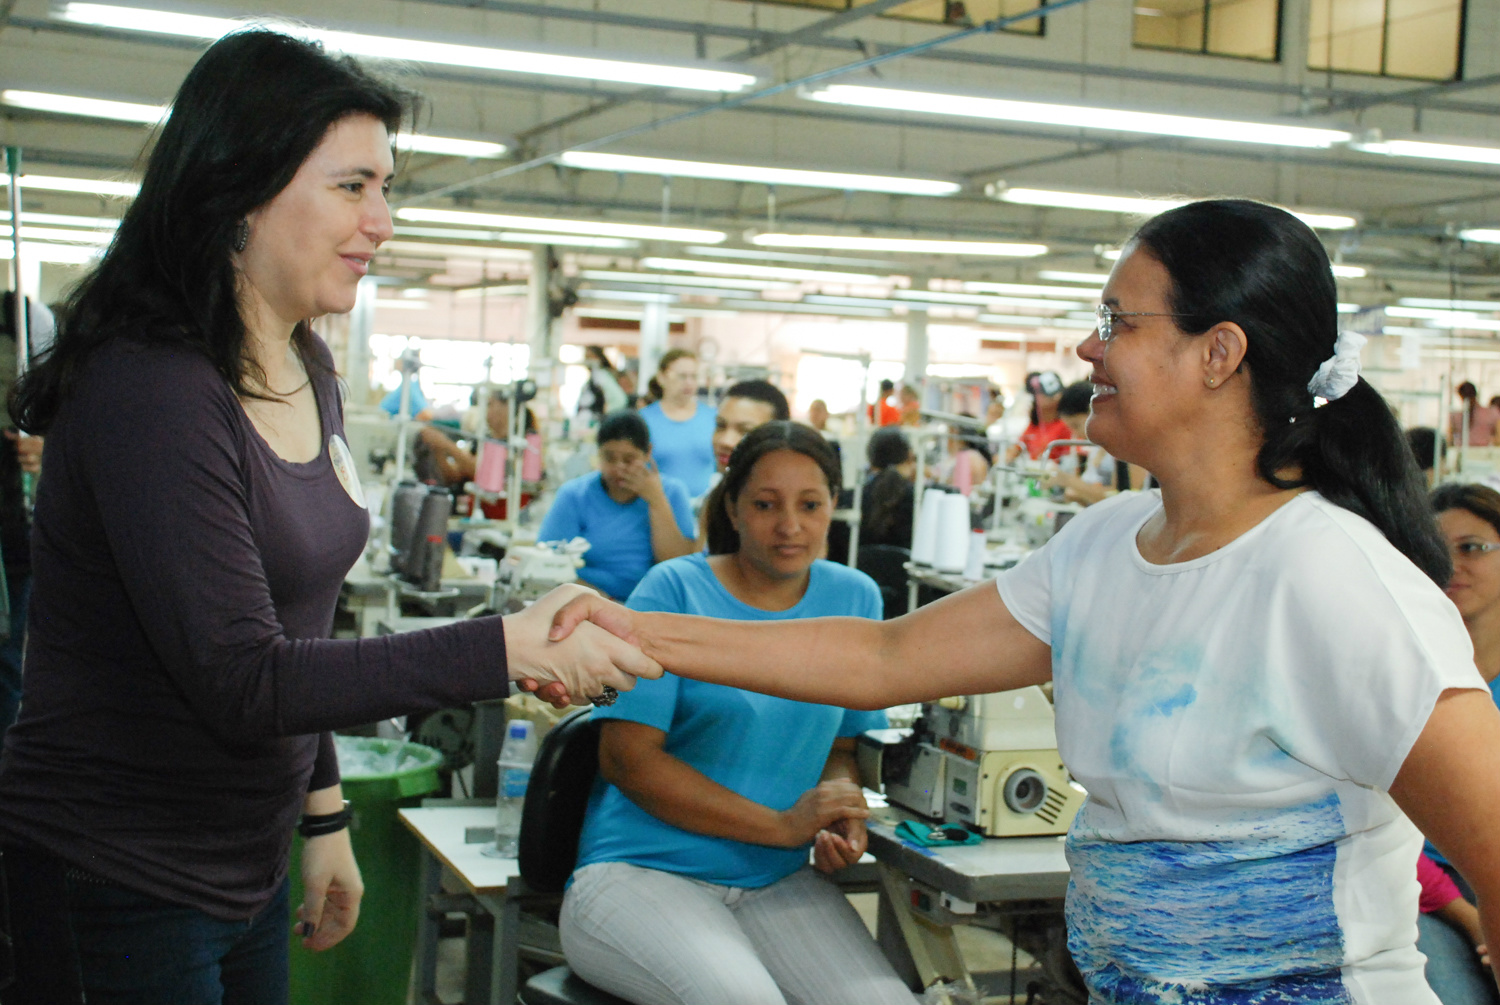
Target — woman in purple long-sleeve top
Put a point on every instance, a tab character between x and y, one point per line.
197	513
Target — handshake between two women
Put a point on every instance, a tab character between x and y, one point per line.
572	646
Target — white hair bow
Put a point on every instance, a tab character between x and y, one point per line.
1339	372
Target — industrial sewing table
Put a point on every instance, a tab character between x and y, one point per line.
999	870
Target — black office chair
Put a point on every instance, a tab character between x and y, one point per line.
886	564
551	819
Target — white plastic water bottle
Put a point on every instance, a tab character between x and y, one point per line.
516	757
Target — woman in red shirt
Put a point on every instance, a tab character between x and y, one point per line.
1046	426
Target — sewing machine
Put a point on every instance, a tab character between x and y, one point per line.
528	571
987	761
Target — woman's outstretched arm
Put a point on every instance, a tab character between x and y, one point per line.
966	643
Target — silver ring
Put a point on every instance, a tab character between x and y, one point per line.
605	697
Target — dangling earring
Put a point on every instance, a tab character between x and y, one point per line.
241	235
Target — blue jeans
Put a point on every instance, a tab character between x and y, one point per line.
79	937
1453	968
19	588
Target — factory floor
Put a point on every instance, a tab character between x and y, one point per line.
987	953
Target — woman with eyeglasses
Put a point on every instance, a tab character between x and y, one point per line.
1256	669
1449	934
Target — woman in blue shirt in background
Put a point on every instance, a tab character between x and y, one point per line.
682	427
693	884
631	516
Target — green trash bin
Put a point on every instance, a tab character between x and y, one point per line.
373	965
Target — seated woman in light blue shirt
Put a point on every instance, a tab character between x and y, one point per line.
631	516
693	884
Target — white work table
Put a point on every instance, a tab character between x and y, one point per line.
493	936
993	871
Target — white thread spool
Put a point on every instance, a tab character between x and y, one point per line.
952	534
924	541
974	566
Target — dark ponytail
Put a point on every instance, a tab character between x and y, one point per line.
1266	271
723	539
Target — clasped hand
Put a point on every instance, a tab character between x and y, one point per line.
832	816
570	667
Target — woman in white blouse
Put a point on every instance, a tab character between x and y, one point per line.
1256	671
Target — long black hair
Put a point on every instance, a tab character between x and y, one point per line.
780	434
1263	269
248	114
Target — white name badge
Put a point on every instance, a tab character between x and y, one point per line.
343	466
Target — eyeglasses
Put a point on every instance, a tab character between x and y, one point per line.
1472	549
1107	315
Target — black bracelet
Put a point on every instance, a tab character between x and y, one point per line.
327	823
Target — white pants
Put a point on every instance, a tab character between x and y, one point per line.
655	938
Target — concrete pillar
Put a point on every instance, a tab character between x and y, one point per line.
539	316
916	349
357	351
654	327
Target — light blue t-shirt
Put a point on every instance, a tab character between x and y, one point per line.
770	750
391	403
684	450
619	534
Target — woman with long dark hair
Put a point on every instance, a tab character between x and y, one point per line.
889	495
198	511
693	882
1255	669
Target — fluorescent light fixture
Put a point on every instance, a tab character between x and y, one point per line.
1350	271
517	237
1079	116
1092	278
29	233
1138	205
1480	235
64	220
1428	313
898	244
93	108
759	271
880	303
845	181
1026	320
1471	323
449	146
1431	151
162	22
1030	289
84	186
52	254
1452	305
796	307
756	255
599	228
636	296
429	250
493	290
1349	308
1134	205
609	276
979	299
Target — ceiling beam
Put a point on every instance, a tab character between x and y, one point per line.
1067	67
